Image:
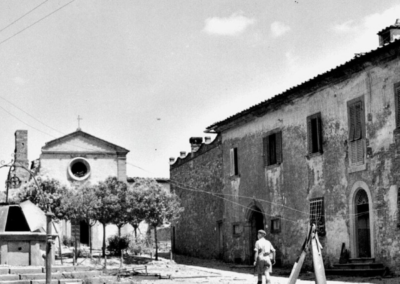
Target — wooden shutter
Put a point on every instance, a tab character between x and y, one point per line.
309	135
235	160
266	150
319	133
397	100
352	119
232	162
278	145
358	121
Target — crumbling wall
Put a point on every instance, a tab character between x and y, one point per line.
286	189
197	180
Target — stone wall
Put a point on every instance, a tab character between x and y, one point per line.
285	190
197	180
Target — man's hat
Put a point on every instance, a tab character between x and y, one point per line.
262	232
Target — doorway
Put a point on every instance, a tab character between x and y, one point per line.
256	221
84	232
362	222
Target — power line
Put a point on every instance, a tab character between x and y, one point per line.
25	122
34	23
79	146
31	116
23	15
185	187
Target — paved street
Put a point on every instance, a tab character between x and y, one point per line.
187	270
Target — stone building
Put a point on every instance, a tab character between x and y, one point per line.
325	152
77	159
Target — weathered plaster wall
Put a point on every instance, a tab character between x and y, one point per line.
100	168
285	190
198	182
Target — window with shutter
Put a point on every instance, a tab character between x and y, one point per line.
397	105
234	169
314	131
356	117
272	148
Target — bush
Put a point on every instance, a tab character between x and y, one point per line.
117	244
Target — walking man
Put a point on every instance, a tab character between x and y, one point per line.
264	257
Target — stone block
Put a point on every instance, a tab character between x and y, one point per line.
38	276
61	269
67	280
83	274
16	282
4	270
25	270
43	281
101	280
9	277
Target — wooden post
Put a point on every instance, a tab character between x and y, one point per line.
49	243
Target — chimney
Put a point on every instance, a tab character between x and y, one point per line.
171	161
183	155
21	155
195	143
207	139
389	34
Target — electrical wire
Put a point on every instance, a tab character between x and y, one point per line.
36	22
27	13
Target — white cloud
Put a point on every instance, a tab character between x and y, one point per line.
371	23
279	29
346	27
230	26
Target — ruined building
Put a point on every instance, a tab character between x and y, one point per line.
326	151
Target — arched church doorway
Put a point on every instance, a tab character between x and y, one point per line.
362	222
256	220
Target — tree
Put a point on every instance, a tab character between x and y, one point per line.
160	207
50	194
108	206
136	212
80	206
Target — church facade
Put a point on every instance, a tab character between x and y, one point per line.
75	160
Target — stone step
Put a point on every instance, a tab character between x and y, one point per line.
356	272
362	260
4	270
61	275
358	266
5	277
16	282
38	276
26	270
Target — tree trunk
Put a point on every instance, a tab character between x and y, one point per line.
90	239
120	250
104	240
155	238
75	246
135	229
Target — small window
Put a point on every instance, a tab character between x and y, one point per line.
234	162
397	105
276	225
317	214
237	229
272	148
356	118
314	130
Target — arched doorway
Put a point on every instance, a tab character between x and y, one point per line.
256	220
362	224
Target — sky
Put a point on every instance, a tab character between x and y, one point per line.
147	75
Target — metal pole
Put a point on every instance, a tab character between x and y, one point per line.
49	254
